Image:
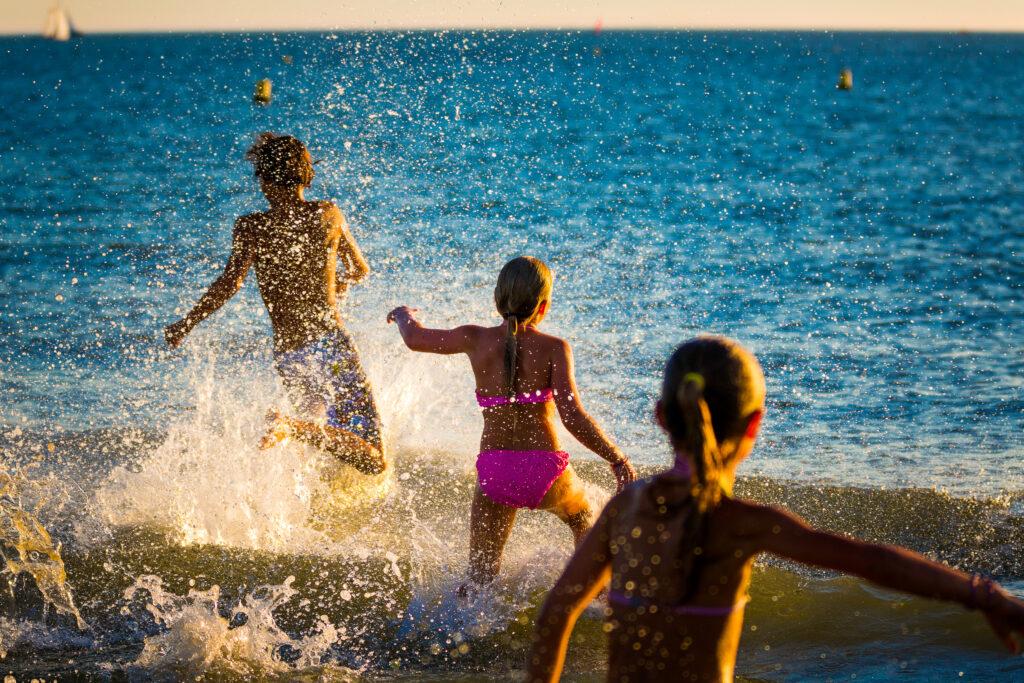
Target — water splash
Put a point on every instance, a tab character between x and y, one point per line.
195	636
208	482
26	546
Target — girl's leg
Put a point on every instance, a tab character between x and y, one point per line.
567	499
490	526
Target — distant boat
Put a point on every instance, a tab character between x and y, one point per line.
59	26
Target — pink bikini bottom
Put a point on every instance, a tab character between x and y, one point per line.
519	478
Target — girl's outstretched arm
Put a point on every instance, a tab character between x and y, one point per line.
586	574
579	422
786	535
419	338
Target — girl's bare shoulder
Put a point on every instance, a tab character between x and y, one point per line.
551	343
747	518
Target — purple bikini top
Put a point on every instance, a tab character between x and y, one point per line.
538	396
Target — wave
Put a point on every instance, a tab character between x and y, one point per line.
190	552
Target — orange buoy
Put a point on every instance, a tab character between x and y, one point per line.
262	94
845	80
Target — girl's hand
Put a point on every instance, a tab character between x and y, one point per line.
624	474
402	312
1006	617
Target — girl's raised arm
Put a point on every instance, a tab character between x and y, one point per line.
787	535
586	574
419	338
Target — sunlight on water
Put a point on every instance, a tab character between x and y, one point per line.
26	546
866	245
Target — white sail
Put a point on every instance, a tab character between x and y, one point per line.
58	26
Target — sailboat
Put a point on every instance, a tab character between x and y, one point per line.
58	25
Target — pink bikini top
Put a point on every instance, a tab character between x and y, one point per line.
538	396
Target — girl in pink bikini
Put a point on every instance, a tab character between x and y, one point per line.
522	376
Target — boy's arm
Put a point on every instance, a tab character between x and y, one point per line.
356	268
586	574
222	289
419	338
786	535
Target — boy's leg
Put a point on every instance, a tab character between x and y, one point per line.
344	445
328	382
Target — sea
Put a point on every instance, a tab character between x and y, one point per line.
866	244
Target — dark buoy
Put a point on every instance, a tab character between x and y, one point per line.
262	94
845	80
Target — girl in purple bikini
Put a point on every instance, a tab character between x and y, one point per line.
676	550
522	376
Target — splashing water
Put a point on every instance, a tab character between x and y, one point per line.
26	546
209	483
196	638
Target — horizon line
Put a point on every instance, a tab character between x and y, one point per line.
529	29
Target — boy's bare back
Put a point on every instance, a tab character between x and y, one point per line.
295	251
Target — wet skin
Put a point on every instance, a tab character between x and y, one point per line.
295	248
635	547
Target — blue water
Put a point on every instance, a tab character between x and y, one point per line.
867	245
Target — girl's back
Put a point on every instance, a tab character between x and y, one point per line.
517	425
666	591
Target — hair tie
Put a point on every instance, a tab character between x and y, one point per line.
696	378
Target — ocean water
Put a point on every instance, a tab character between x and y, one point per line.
867	245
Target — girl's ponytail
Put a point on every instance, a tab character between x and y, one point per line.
511	353
523	284
711	385
699	440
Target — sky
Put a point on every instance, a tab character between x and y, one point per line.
28	16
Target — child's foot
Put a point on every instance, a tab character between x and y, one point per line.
278	431
467	592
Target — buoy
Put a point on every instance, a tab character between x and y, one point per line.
262	94
845	80
287	59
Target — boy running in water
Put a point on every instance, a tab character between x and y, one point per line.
295	247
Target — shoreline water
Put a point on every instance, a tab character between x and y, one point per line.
365	598
865	245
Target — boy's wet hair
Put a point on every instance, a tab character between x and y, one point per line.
280	160
523	283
